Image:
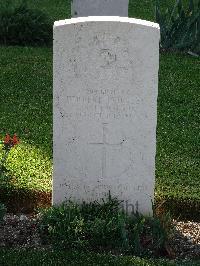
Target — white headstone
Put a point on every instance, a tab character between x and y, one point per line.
84	8
105	102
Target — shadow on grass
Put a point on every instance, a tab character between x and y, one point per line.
20	200
179	209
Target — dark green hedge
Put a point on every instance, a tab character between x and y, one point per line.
20	25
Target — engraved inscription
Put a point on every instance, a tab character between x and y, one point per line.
100	104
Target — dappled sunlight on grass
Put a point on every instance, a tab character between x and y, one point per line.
177	160
29	167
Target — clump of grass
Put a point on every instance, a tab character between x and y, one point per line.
103	226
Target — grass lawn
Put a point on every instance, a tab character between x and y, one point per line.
178	135
11	258
26	108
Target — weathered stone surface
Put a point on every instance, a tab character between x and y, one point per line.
84	8
105	102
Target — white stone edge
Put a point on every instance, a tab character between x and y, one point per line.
106	19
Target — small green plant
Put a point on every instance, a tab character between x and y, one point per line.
20	25
180	28
63	226
2	211
102	227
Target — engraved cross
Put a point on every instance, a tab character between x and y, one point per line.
104	145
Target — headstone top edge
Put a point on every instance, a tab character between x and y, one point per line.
106	19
